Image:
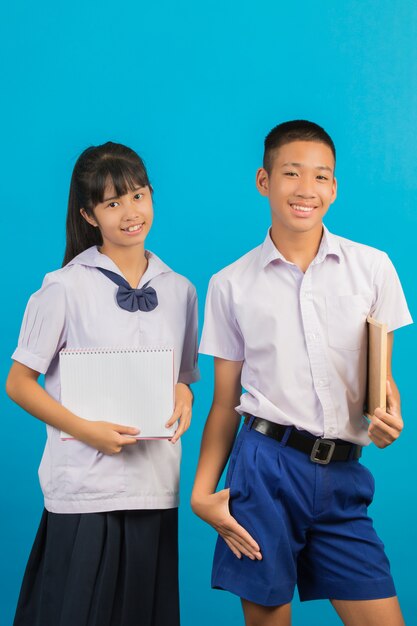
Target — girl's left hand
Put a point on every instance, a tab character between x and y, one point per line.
182	411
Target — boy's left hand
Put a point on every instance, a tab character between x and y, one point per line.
182	410
386	426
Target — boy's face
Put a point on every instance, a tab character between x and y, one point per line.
301	185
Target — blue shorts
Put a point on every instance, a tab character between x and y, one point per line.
311	523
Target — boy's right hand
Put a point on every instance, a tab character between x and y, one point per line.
214	509
106	437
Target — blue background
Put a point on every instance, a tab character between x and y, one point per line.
194	88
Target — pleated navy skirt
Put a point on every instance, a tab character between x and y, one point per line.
118	568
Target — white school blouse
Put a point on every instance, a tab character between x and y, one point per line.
76	308
302	337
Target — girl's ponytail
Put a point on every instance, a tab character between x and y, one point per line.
80	235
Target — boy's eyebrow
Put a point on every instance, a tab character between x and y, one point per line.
317	167
115	197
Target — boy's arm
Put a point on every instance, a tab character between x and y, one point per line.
219	434
386	426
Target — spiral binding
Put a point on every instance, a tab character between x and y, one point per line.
75	351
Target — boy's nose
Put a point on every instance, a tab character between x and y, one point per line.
305	189
305	195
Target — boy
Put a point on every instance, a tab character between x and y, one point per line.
287	322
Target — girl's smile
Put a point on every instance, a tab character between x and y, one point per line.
133	230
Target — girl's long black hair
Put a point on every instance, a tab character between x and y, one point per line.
97	167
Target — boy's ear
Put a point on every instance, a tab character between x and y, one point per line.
262	181
334	190
88	218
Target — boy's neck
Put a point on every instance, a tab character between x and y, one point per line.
132	262
299	248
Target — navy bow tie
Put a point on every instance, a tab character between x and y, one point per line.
129	299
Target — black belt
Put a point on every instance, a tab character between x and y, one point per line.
320	450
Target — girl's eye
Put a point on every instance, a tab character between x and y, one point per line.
113	204
138	196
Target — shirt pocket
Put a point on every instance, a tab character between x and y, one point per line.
346	320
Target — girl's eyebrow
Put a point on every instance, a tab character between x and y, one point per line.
116	197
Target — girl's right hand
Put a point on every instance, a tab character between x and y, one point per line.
214	509
23	387
106	437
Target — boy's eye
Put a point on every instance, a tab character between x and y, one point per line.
290	173
321	177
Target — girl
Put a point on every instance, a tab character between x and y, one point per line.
106	550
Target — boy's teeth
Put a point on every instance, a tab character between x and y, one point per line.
132	228
305	209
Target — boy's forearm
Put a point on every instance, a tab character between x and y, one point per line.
218	437
395	391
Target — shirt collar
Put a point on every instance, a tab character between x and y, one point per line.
329	246
93	258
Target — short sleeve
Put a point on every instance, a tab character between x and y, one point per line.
43	328
189	372
221	335
390	306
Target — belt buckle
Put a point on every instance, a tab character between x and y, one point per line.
316	451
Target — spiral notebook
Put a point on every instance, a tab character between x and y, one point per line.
132	387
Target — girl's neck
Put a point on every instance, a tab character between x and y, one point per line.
131	261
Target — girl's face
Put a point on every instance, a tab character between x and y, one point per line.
124	221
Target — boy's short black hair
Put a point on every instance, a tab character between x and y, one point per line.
296	130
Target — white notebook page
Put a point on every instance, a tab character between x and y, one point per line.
129	387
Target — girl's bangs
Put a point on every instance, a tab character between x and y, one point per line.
124	176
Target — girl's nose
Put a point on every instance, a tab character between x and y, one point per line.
131	210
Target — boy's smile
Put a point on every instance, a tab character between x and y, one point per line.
300	187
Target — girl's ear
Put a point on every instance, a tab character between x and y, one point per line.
88	218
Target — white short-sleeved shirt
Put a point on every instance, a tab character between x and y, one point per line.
302	337
76	308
